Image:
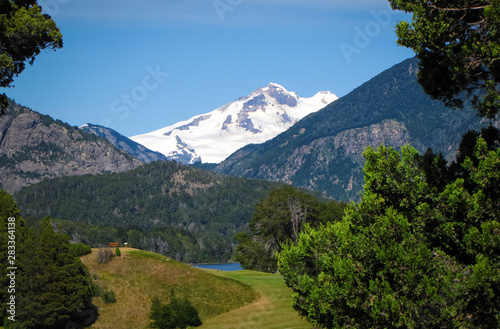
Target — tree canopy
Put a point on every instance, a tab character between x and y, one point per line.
51	285
24	32
278	219
458	45
414	253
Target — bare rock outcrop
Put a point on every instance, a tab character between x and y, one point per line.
34	147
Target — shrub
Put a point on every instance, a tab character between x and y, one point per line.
104	255
80	249
108	296
118	252
178	314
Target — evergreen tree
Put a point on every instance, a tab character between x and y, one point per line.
52	285
64	280
9	213
178	314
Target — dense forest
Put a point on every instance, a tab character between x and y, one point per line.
179	211
43	270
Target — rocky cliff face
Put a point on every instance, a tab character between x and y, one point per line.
34	147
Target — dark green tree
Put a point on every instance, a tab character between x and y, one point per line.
180	313
252	254
162	316
458	45
411	254
9	213
52	285
24	33
64	285
277	220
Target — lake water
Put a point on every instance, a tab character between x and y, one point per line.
221	267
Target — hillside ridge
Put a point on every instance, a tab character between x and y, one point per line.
323	151
35	147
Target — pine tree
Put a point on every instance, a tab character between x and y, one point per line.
52	285
9	213
65	285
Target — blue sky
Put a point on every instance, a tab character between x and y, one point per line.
137	66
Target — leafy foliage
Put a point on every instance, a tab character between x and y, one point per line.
25	32
178	314
278	219
413	253
80	249
458	45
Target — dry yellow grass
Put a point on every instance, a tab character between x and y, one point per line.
138	276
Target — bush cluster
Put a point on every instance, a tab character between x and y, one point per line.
104	255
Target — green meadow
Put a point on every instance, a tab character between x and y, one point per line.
271	311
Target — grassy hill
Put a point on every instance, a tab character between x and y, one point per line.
240	299
138	276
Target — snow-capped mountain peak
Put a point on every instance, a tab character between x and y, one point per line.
255	118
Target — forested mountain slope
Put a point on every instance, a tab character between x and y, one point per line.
323	151
179	211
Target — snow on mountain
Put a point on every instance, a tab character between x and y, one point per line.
256	118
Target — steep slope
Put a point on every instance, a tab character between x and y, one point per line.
34	147
323	152
126	144
179	211
255	118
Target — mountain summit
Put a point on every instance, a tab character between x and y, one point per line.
256	118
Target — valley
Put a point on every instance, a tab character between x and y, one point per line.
133	173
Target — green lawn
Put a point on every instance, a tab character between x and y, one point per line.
272	311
